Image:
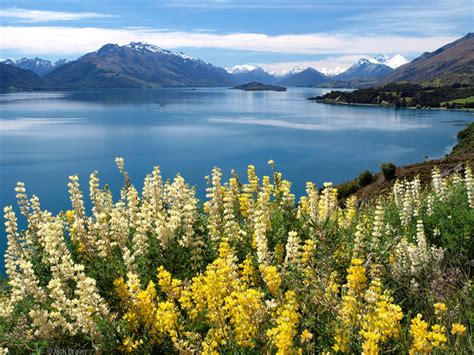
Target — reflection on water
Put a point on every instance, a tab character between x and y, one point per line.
47	136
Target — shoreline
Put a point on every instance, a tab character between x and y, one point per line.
344	103
454	161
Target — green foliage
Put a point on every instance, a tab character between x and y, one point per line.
406	95
388	170
365	178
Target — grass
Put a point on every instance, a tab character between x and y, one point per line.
465	100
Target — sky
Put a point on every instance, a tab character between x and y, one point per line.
277	34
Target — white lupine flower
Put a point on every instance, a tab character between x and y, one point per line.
439	185
22	199
231	226
292	248
215	205
262	224
469	181
327	202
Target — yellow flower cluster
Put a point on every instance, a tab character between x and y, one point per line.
145	313
424	340
283	334
369	313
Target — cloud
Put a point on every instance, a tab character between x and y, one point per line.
31	16
441	16
265	4
58	40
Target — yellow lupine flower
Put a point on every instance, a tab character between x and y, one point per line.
306	336
272	278
356	279
170	286
458	329
440	308
283	334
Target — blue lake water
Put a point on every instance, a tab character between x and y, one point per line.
45	137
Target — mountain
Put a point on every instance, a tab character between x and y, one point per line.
37	65
308	77
452	63
390	61
249	73
364	69
136	65
16	79
287	73
333	71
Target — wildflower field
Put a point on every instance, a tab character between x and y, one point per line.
250	270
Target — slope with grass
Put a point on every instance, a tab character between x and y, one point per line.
461	153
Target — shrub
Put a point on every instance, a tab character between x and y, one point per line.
388	171
365	178
252	271
347	189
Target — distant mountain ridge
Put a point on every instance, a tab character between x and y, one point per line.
307	77
452	63
248	73
136	65
37	65
143	65
17	79
364	69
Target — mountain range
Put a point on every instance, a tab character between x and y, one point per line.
249	73
142	65
37	65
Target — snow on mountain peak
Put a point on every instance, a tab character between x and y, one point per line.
296	69
332	71
184	56
143	46
242	68
390	61
396	61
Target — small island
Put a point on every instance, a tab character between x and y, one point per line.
255	86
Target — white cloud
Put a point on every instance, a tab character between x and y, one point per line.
54	40
439	16
25	15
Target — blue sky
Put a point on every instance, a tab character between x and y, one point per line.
277	34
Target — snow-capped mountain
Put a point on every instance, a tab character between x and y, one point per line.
288	73
332	71
365	68
247	73
146	47
137	65
244	68
308	77
37	65
390	61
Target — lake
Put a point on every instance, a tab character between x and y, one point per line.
47	136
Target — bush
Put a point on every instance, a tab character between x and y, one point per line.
388	171
365	178
347	189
